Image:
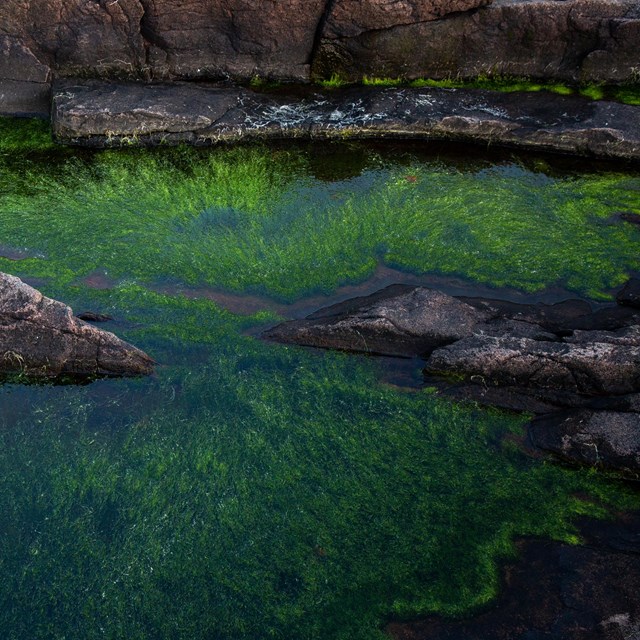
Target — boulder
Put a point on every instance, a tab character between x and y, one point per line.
571	40
40	338
398	321
608	439
590	368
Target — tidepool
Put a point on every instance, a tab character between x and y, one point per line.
251	490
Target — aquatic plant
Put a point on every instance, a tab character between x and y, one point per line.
253	490
218	219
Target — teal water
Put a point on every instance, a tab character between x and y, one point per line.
255	490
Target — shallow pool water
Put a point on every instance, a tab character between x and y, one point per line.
254	490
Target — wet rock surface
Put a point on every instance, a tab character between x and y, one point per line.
577	40
607	439
40	338
94	113
399	321
630	294
571	40
556	591
565	360
591	368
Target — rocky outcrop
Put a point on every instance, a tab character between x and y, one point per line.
293	40
590	368
212	39
94	113
536	358
40	338
415	321
571	40
399	321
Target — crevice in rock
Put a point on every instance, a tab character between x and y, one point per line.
318	35
149	38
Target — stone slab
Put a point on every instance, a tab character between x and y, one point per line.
102	114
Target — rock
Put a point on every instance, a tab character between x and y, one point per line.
607	439
628	216
556	591
594	368
630	294
569	40
214	39
94	113
558	318
398	321
40	338
349	18
627	336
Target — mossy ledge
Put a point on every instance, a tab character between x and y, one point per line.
99	114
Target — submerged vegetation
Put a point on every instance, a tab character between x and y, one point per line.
254	490
215	219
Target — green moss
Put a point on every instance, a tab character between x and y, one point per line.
334	82
369	81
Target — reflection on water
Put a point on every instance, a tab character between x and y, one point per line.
253	490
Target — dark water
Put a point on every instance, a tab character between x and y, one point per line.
253	490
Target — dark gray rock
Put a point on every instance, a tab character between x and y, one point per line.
349	18
627	336
594	368
40	338
102	114
570	40
555	591
630	294
399	321
606	439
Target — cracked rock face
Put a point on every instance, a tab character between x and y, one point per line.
40	337
593	368
237	38
572	40
285	40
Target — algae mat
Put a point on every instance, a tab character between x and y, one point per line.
253	490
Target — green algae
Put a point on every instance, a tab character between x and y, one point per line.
252	490
217	219
257	491
627	94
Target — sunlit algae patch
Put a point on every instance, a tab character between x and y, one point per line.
253	490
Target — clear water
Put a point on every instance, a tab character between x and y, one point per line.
255	490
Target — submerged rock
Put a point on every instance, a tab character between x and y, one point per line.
93	113
630	294
555	591
40	338
608	439
397	321
592	368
